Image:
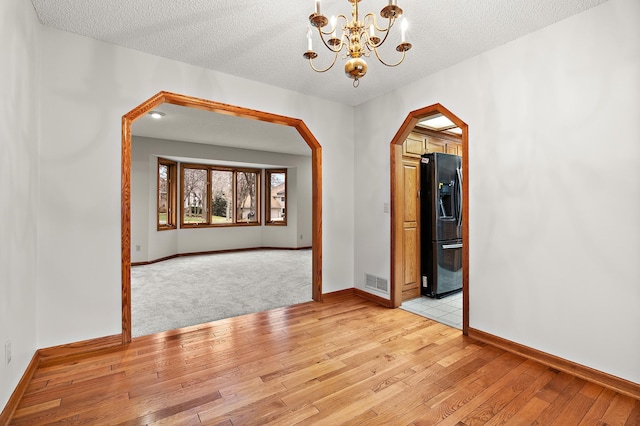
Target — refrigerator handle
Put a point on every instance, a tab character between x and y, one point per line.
459	196
451	246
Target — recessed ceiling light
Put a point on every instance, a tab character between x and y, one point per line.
156	114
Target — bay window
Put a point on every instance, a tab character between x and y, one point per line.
219	196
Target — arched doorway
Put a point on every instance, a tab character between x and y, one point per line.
399	262
191	102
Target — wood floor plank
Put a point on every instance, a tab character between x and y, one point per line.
634	415
36	408
619	410
542	375
185	418
153	406
340	398
67	414
577	408
529	412
172	410
314	390
334	410
559	404
342	361
291	417
598	408
495	396
446	399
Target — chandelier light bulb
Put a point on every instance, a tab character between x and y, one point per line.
333	21
403	29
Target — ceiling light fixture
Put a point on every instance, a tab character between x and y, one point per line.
156	114
437	122
358	38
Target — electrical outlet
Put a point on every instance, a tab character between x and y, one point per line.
7	352
137	248
300	236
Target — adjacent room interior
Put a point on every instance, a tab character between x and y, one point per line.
182	156
432	198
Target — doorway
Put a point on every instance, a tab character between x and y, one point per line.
405	240
216	107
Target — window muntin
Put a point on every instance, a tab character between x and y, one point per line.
276	197
166	203
211	196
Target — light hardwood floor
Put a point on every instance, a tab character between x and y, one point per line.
342	361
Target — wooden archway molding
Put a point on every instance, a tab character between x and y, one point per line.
397	261
191	102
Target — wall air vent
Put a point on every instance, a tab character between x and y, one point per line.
376	283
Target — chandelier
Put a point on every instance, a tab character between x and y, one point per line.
358	38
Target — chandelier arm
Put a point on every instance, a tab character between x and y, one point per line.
374	20
335	56
334	50
389	65
386	32
336	27
371	45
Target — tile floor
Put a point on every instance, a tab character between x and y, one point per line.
447	310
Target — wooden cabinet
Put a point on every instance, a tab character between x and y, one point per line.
417	144
433	144
411	229
413	146
454	149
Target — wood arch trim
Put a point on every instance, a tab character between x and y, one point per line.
203	104
396	224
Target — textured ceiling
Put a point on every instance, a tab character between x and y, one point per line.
264	40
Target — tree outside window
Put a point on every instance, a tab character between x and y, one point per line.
222	196
247	196
195	184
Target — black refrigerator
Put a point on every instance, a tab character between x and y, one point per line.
441	224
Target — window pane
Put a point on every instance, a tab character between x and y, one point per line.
221	196
163	195
277	201
246	206
194	196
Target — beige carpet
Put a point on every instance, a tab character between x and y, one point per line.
196	289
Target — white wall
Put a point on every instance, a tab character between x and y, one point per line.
554	185
19	120
156	244
87	87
